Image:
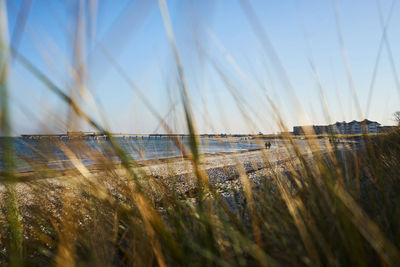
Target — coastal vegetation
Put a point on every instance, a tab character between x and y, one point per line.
321	208
312	203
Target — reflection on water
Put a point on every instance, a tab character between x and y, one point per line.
47	150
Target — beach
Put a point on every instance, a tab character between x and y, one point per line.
223	171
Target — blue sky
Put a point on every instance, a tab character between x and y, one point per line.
210	35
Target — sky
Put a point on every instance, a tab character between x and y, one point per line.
244	66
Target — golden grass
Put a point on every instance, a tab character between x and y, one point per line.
315	203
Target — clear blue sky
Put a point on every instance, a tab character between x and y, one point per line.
133	33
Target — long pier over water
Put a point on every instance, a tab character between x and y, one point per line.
95	135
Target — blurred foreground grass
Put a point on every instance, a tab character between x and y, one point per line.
331	207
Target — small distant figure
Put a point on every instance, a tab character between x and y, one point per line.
267	145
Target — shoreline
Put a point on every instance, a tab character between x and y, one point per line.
224	172
218	166
137	164
205	159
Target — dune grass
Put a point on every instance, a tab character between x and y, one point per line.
330	206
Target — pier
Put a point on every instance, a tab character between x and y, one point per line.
78	135
99	135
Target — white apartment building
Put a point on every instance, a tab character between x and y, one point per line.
356	127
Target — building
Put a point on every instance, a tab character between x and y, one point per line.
340	127
371	126
353	127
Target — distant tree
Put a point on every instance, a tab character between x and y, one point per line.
396	116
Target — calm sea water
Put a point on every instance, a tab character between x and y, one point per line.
46	151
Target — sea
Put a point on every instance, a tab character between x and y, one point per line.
45	152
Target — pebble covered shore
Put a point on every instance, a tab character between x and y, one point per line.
223	171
